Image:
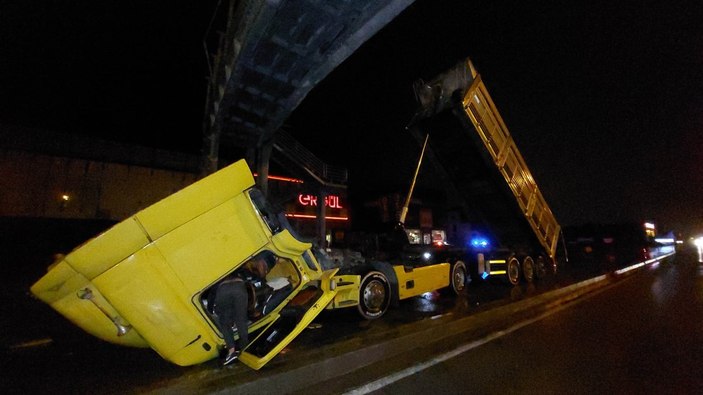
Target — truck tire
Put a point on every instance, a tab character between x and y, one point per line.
512	272
459	277
528	269
374	295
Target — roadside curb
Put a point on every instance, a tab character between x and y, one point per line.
410	336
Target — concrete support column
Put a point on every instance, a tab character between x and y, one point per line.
321	213
250	157
262	168
211	153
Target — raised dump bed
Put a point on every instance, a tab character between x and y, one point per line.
487	176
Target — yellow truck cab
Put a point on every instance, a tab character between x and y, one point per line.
145	282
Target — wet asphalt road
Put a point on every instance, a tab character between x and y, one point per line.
41	351
643	335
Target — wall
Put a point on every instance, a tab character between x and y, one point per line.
33	185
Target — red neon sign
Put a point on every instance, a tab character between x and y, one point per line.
279	178
331	201
307	216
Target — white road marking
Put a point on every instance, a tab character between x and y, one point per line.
380	383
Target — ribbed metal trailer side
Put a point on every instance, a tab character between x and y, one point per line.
473	149
489	125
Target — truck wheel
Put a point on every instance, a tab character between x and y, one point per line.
513	271
458	278
528	269
374	295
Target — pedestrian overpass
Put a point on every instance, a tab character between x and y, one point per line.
271	54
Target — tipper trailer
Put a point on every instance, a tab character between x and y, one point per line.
508	228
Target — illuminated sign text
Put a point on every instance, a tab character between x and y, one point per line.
331	201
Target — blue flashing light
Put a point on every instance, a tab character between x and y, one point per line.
479	242
484	275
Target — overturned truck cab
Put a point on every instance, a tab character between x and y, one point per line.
150	280
145	282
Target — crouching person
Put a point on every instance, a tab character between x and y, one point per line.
231	302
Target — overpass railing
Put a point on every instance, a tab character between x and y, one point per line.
324	173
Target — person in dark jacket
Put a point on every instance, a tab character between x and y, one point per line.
231	302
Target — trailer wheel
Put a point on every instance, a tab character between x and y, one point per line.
513	271
374	295
459	277
528	269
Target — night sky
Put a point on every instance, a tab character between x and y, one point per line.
604	99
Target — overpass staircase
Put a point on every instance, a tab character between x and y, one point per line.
325	174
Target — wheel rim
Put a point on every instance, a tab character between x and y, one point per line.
513	271
459	278
374	296
528	269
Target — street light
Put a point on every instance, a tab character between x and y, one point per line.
64	200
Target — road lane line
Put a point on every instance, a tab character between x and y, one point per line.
380	383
